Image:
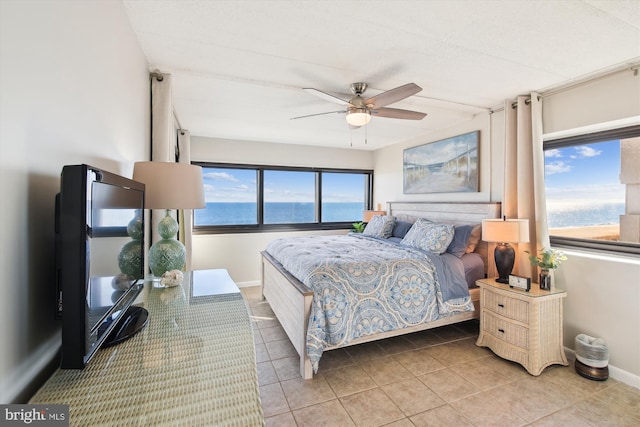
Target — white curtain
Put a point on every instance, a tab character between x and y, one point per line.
185	215
524	192
162	128
163	136
169	144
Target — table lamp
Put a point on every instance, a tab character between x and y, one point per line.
367	215
503	232
169	186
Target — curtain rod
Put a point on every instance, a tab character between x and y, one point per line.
514	105
527	101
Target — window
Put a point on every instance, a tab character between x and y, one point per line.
289	197
231	197
590	181
344	196
242	198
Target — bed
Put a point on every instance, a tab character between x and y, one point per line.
380	284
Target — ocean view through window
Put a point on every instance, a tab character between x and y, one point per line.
289	197
344	196
590	184
255	198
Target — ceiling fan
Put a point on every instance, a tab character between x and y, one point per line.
359	110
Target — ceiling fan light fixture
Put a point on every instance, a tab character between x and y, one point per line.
358	116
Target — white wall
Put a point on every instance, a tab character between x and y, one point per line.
603	100
388	181
603	300
75	89
264	153
240	253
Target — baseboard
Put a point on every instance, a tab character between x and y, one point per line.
28	377
615	373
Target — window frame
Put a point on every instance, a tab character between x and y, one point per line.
261	227
604	246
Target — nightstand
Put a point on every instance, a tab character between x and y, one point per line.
524	327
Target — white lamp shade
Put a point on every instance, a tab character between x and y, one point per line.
505	231
358	117
170	185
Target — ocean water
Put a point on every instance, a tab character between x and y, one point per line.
581	215
276	213
559	214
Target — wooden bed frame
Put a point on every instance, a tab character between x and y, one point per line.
290	299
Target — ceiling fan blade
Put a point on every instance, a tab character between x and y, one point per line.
318	114
327	97
393	95
396	113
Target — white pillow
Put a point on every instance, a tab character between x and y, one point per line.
429	236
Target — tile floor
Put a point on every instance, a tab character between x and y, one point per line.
431	378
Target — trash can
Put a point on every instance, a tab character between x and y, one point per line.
592	357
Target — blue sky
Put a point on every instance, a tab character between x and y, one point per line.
229	185
584	173
239	185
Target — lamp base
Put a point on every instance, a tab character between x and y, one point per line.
505	257
167	254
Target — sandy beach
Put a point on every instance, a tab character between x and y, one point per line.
599	232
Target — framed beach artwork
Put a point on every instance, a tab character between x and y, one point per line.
446	166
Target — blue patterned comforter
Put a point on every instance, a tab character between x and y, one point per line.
364	285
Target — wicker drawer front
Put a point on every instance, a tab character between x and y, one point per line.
505	331
509	307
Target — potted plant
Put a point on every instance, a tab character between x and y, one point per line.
358	227
547	259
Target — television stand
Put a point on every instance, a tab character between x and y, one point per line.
193	364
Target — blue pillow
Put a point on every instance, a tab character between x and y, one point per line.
401	228
458	245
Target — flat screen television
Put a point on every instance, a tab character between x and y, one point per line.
99	261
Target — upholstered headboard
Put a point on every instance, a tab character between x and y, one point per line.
451	212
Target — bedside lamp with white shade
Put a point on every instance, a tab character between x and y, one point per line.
169	186
503	232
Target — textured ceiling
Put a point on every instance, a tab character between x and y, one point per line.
238	67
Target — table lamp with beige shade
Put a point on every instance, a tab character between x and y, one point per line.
169	186
503	232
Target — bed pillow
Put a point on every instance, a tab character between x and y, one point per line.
474	238
458	245
429	236
401	228
380	226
